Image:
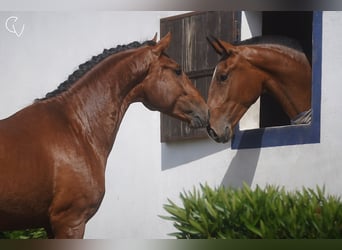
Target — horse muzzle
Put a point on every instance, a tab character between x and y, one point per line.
198	120
222	137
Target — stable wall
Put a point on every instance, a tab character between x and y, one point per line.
142	172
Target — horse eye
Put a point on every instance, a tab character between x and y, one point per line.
223	77
178	72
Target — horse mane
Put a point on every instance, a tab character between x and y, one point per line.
272	39
91	63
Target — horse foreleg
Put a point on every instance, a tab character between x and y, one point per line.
76	200
64	231
68	221
67	226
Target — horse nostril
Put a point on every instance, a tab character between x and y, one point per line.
202	121
225	137
211	132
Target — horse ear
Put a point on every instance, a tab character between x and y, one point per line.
221	47
162	44
154	39
213	41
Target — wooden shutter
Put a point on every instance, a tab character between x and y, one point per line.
189	47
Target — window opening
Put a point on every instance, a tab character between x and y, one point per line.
307	28
296	25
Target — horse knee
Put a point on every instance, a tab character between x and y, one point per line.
66	230
68	220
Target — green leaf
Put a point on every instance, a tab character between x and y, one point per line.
210	209
176	211
197	226
171	218
254	230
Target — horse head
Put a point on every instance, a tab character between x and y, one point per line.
167	88
234	87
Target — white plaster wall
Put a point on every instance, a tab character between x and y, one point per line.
141	172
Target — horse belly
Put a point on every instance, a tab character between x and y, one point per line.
14	221
25	184
22	204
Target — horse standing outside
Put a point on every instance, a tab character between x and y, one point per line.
53	153
250	68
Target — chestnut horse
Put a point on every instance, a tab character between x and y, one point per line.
53	153
246	70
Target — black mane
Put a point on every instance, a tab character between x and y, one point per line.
85	67
280	40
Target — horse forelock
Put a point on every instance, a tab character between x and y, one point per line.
91	63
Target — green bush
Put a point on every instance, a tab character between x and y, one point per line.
270	213
38	233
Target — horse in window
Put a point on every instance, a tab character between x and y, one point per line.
246	70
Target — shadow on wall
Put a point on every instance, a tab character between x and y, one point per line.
178	153
243	165
241	168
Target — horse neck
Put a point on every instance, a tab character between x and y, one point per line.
288	77
97	102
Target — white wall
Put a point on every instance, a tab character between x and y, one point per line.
141	172
251	26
